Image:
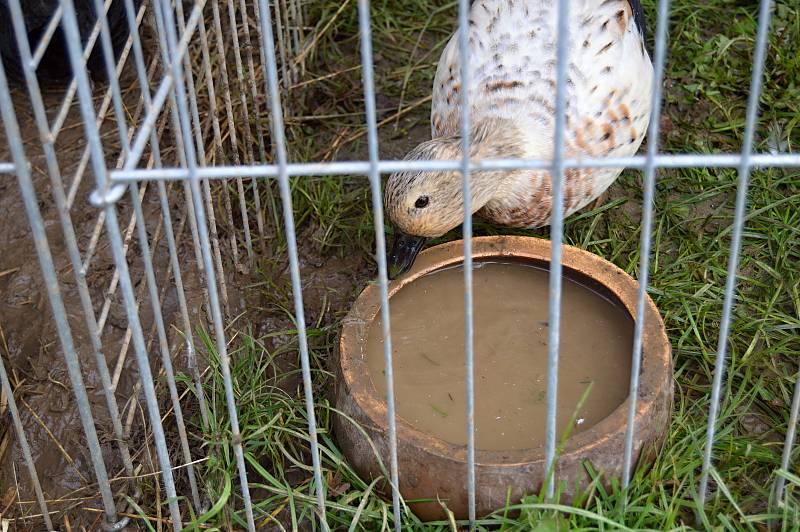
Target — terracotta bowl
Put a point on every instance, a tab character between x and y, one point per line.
430	467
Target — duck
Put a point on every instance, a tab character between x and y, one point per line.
511	96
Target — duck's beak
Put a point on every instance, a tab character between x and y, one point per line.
404	251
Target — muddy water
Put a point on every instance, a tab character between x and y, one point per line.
511	328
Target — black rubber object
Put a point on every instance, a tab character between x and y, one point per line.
54	68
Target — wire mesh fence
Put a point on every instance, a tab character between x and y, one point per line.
179	112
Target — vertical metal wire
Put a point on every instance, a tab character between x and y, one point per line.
299	37
380	245
108	59
14	139
268	45
101	114
109	293
251	74
201	150
287	35
464	55
165	210
66	103
556	236
765	11
226	95
162	93
44	40
53	170
20	431
262	152
219	330
7	390
287	82
164	345
164	89
103	193
166	359
248	137
270	193
263	59
290	12
662	22
217	149
144	246
788	443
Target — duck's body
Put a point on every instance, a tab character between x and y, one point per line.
512	112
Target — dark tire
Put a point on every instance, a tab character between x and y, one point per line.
54	68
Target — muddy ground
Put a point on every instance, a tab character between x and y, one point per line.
29	342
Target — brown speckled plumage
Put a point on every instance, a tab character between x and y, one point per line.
512	108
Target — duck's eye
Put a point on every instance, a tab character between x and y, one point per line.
421	202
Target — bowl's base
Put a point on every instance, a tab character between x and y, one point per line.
431	469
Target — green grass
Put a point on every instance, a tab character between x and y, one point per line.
707	83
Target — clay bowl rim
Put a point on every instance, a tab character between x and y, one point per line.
656	350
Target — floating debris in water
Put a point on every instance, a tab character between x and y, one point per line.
429	359
438	410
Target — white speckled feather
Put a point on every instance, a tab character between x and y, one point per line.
512	58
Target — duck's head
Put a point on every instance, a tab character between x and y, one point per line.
427	204
422	205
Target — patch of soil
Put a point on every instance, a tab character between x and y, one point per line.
30	346
34	357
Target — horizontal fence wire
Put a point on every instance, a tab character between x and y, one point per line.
666	161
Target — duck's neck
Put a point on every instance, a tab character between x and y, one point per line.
493	138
